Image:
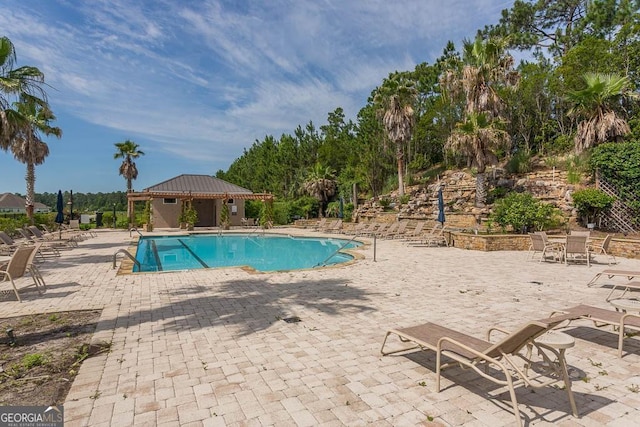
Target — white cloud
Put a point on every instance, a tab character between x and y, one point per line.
189	76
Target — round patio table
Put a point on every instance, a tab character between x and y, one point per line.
626	304
556	339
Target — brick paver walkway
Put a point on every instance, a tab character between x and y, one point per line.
209	347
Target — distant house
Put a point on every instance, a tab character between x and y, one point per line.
206	194
10	203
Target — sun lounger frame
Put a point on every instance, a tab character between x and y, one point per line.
469	352
612	273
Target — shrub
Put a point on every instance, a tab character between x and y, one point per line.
333	209
559	145
385	202
146	214
252	208
519	163
577	166
10	225
280	213
303	207
348	211
107	219
496	193
551	161
590	203
522	213
419	162
123	222
267	214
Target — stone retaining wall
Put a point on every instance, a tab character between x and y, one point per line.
619	246
622	247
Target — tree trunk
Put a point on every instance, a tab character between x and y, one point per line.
481	189
400	156
30	197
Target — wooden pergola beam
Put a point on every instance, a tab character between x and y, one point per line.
144	196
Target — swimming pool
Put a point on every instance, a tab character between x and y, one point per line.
260	252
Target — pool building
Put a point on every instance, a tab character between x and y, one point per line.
204	193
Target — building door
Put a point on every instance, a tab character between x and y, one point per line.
206	212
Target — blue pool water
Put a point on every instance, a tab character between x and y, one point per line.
261	252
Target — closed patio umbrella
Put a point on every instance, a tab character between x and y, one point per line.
60	214
440	207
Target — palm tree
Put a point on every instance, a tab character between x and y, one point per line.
128	150
14	83
477	139
321	184
394	102
594	105
487	67
27	147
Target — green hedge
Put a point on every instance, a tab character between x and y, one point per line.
522	213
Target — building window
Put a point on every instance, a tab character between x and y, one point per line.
170	201
230	202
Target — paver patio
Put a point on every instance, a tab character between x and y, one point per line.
209	347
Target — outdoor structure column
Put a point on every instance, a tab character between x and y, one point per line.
130	211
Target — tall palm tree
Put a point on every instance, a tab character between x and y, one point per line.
128	150
477	138
394	102
487	67
14	82
27	147
594	106
321	184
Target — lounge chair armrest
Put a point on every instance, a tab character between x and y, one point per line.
459	359
623	320
498	329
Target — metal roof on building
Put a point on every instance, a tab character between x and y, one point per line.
196	184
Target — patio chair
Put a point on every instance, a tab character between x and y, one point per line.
39	236
380	230
61	233
369	229
620	321
33	269
540	244
576	248
7	244
333	227
74	226
435	238
18	266
389	231
322	222
356	229
602	248
415	233
46	247
499	359
399	232
580	233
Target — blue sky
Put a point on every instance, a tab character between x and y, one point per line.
193	83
